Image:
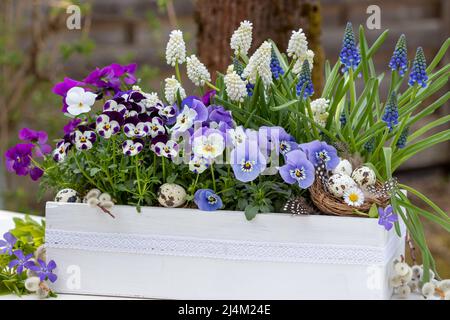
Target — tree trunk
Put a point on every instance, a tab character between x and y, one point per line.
274	19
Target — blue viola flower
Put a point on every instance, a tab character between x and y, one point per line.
275	66
298	169
22	261
320	152
8	243
44	271
401	142
399	60
247	161
391	112
304	81
387	217
207	200
418	71
350	56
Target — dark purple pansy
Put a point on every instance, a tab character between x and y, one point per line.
104	78
71	125
39	138
208	96
44	271
7	244
18	158
22	261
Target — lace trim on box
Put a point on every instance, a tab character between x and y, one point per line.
220	249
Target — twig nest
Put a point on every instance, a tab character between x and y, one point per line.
171	195
338	184
67	195
344	167
364	176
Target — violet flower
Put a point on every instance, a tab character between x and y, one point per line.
71	125
60	153
387	217
39	138
133	127
108	124
104	78
44	271
208	96
8	243
298	169
318	152
207	200
132	147
22	261
247	161
84	139
18	158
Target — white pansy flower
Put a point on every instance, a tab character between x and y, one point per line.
197	71
298	45
79	101
171	89
185	120
259	64
319	109
176	48
241	40
198	164
236	87
237	136
309	55
208	147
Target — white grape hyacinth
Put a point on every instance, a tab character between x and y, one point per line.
241	40
171	88
236	87
196	71
151	99
259	64
319	109
298	45
176	48
309	56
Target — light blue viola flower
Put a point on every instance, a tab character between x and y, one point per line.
320	152
207	200
298	169
247	161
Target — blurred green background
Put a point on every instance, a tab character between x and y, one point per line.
37	50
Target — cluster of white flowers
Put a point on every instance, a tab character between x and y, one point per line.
259	64
298	45
197	71
235	86
241	40
319	108
171	88
408	279
309	56
176	48
151	99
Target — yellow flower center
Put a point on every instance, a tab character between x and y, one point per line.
353	197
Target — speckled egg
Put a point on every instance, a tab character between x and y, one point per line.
339	183
171	195
364	176
67	195
344	167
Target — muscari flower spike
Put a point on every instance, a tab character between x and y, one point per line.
399	60
401	142
369	146
305	81
418	71
275	66
350	56
391	112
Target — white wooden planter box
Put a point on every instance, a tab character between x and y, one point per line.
191	254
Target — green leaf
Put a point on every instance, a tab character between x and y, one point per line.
251	211
373	212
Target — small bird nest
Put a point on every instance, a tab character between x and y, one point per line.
329	204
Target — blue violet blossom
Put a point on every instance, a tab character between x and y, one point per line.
207	200
399	60
298	169
350	56
419	70
305	81
387	217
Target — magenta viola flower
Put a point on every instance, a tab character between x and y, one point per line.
128	72
298	169
44	271
39	138
208	96
247	161
132	147
71	125
63	87
104	78
207	200
22	261
7	244
318	152
18	158
387	217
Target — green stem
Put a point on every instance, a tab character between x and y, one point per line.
163	165
213	178
83	172
209	84
177	72
138	178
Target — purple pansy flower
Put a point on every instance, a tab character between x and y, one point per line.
298	169
22	261
36	173
104	78
387	217
199	164
60	153
84	139
247	161
167	149
135	128
156	126
318	152
127	71
208	96
108	124
193	111
8	243
220	118
61	89
207	200
132	147
71	125
39	138
44	271
18	158
113	105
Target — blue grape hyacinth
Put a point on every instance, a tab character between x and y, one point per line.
399	60
350	56
401	142
391	112
305	81
418	71
275	66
